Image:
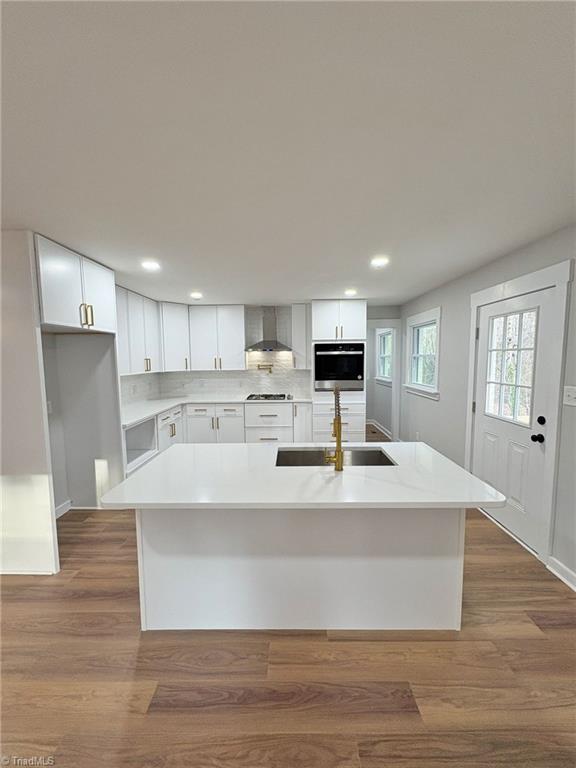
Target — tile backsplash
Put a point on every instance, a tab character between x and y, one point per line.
218	383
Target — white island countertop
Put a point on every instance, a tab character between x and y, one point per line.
245	475
142	410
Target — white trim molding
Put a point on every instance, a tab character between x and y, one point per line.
562	572
422	318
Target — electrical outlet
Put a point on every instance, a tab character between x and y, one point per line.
417	437
569	395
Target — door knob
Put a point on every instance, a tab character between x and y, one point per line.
541	420
537	438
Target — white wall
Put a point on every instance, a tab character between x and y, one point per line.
55	422
442	423
28	531
379	394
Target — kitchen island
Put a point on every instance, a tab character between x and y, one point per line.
229	540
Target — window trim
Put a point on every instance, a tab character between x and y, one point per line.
377	377
412	322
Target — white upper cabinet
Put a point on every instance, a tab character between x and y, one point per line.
138	363
175	337
217	338
60	283
353	319
301	341
231	338
152	335
122	338
99	296
75	292
203	338
335	320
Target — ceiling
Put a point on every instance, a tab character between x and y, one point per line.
263	152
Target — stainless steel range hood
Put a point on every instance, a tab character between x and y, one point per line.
269	341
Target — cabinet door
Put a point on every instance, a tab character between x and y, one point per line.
178	430
175	337
230	428
60	283
301	335
325	320
302	422
136	329
152	342
99	293
231	338
164	438
201	429
203	338
122	333
353	319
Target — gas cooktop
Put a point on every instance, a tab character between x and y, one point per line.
269	397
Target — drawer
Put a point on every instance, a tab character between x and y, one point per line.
164	417
349	423
226	411
358	409
268	415
347	437
200	410
269	435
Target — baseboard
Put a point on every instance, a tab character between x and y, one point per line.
562	572
62	508
379	426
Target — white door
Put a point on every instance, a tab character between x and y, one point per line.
302	422
136	331
201	429
230	428
325	320
152	336
353	319
516	382
100	295
60	274
231	338
175	337
122	332
203	338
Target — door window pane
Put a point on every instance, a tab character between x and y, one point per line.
510	369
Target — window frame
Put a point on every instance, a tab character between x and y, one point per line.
429	317
378	376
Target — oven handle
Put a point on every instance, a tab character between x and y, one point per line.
339	353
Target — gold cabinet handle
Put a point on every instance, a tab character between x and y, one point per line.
90	315
186	363
83	315
212	422
341	331
215	364
336	332
295	410
230	410
217	422
220	361
269	439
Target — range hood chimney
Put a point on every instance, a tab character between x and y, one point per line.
269	341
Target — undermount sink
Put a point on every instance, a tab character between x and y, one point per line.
316	457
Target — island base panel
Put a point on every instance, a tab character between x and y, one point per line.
300	568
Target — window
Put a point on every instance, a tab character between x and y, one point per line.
423	333
384	354
510	366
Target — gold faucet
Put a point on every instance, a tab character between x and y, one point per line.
337	458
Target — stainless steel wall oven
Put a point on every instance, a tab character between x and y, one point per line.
339	365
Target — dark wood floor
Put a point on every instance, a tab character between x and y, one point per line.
375	435
83	684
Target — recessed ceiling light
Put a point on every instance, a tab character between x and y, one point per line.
196	295
350	292
379	261
150	266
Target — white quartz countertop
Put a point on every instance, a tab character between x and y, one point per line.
140	410
245	476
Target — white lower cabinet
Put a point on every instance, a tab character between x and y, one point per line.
269	435
215	423
353	421
170	425
302	422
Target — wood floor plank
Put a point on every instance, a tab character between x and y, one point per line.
497	705
554	619
187	751
267	707
477	749
415	662
550	657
